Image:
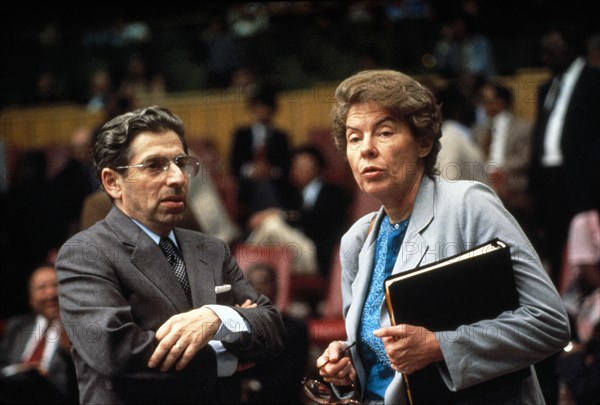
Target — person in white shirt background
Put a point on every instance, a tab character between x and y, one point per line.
505	140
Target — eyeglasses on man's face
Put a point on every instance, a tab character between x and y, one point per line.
160	164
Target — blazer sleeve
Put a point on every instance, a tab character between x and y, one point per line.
515	339
96	313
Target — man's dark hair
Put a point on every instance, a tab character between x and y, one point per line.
112	147
313	151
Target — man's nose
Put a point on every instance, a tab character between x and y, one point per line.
175	174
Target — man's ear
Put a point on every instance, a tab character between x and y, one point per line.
111	181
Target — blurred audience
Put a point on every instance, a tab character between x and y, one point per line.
243	80
579	368
141	84
208	192
322	207
247	19
100	90
463	50
73	184
506	143
278	380
29	220
593	50
259	157
49	89
460	158
223	53
269	227
316	208
581	284
35	358
564	175
118	32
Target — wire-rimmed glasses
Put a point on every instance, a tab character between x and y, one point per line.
322	393
159	164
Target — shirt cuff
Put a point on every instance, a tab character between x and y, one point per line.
226	361
233	325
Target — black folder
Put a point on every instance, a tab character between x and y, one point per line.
474	285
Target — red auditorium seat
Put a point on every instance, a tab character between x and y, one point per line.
248	254
331	325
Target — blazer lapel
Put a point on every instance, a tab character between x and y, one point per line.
148	258
360	286
414	246
413	250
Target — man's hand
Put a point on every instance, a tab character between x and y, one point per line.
260	217
409	348
182	336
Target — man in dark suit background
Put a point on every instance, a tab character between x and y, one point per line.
505	140
564	174
322	207
260	157
35	358
317	208
148	326
565	161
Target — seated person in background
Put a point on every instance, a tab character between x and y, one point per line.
35	359
211	195
277	381
579	369
582	293
75	181
259	157
322	208
460	158
505	141
318	209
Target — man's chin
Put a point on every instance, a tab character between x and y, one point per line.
51	313
174	217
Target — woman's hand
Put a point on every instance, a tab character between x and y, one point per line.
409	348
335	366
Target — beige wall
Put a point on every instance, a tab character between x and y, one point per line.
214	115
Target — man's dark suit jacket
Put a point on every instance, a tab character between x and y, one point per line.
580	143
117	288
255	195
29	386
325	221
277	150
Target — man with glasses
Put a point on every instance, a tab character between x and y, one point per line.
157	314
